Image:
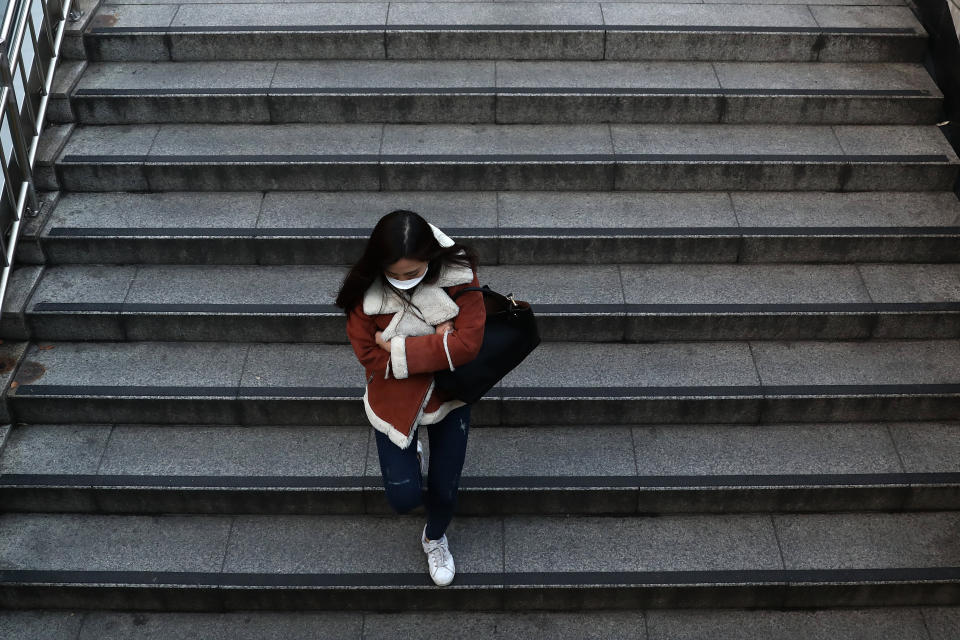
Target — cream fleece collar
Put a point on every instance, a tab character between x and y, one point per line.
431	299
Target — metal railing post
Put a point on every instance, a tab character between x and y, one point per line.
24	122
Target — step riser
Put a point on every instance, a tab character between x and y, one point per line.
754	411
514	109
573	174
559	409
329	328
864	249
421	596
588	44
59	111
769	47
471	501
518	251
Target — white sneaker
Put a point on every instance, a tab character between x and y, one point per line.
424	459
439	559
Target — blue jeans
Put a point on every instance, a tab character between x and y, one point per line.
401	470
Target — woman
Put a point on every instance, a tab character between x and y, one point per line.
404	326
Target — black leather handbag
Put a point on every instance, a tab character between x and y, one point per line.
509	335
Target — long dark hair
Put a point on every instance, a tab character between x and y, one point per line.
399	234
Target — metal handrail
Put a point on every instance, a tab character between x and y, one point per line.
23	118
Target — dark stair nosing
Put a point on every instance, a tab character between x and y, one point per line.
511	27
190	391
502	232
32	480
711	91
511	393
504	393
713	578
551	309
503	157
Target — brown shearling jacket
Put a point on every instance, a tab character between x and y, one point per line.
400	392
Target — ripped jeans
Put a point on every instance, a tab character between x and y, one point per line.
401	470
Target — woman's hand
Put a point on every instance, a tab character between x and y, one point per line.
378	336
443	327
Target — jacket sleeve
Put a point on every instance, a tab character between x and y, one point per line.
438	352
361	329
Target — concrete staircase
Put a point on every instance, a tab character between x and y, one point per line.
735	221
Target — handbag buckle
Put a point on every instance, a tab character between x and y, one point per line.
513	302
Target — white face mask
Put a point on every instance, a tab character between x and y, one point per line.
406	284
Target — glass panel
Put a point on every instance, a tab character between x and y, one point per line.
5	138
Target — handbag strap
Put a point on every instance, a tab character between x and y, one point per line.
486	290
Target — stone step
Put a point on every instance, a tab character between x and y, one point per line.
68	73
134	468
342	562
505	30
169	157
595	303
363	625
559	383
507	227
529	92
71	47
891	623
